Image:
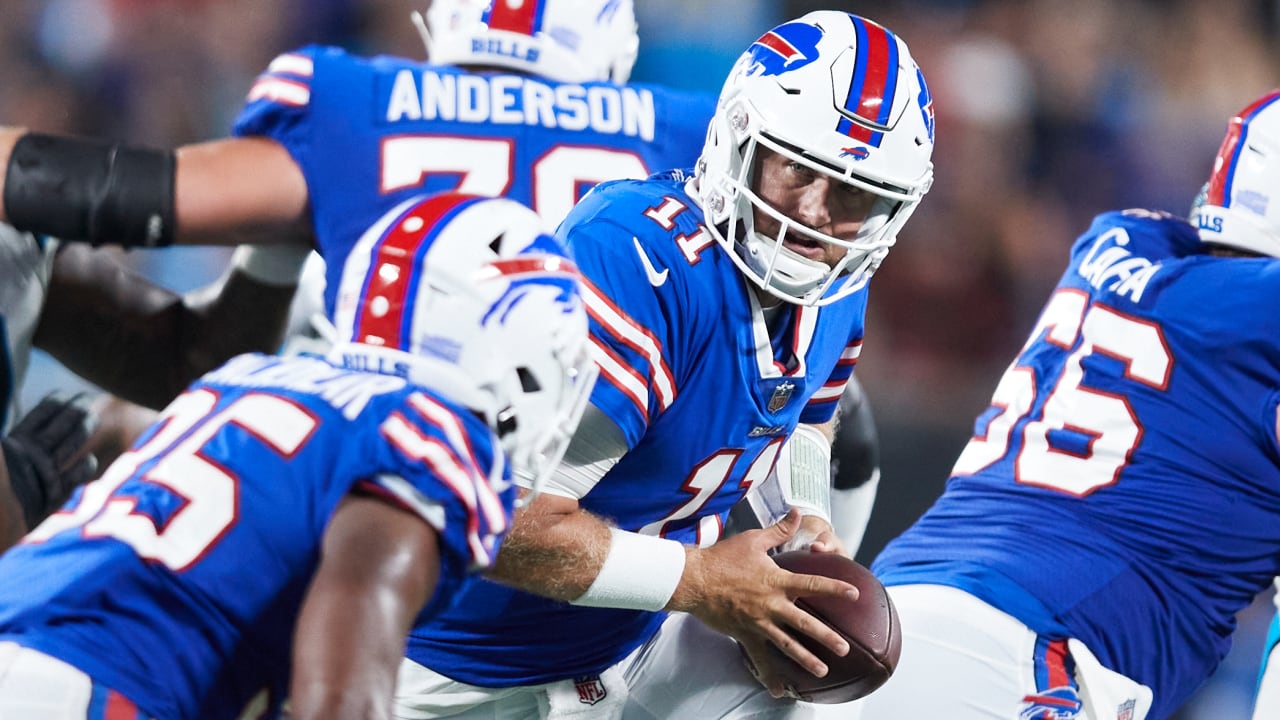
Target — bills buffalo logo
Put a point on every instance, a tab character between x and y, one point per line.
855	153
1060	703
590	689
783	49
925	99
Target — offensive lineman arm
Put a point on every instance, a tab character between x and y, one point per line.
223	192
143	342
379	565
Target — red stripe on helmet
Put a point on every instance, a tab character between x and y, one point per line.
1216	195
1229	153
388	286
514	16
875	89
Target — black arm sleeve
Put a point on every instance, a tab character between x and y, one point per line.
87	190
855	455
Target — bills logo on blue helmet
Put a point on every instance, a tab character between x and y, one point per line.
784	48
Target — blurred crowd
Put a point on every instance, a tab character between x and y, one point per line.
1048	112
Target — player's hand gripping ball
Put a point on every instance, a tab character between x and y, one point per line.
869	624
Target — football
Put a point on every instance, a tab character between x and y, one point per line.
870	624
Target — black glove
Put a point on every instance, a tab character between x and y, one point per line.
39	454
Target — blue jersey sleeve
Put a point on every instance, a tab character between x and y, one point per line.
847	313
279	103
823	404
629	327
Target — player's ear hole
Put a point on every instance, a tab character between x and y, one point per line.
506	422
528	382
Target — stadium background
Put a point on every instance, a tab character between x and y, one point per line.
1047	112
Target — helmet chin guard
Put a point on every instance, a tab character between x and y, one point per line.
841	96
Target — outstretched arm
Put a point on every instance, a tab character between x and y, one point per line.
378	568
146	343
224	192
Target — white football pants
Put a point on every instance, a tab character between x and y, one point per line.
34	685
965	660
686	671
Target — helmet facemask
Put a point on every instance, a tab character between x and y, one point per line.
785	273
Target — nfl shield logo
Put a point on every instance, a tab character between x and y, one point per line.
590	689
1125	711
781	395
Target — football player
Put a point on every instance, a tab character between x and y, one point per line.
1120	501
726	308
349	493
526	100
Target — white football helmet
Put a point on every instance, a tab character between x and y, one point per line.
842	96
471	298
565	40
1235	208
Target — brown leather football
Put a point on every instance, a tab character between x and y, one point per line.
870	624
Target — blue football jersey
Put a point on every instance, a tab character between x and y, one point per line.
369	133
175	579
1124	486
704	395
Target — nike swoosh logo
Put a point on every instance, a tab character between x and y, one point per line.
656	279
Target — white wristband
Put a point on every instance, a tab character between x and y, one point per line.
641	572
277	265
806	484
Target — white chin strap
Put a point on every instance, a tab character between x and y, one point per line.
781	268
